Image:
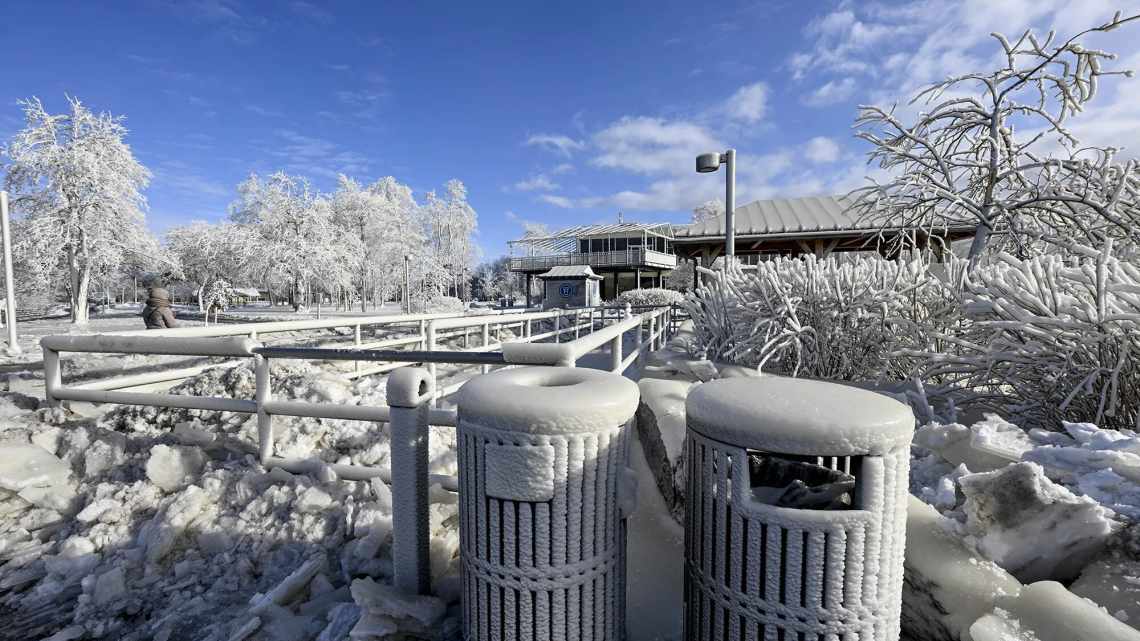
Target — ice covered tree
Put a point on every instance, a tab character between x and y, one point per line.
78	188
980	151
450	228
205	253
295	238
708	210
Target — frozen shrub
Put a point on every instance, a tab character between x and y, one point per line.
830	318
1047	339
655	296
438	304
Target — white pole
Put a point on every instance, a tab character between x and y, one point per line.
729	206
9	284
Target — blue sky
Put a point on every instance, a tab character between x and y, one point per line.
559	113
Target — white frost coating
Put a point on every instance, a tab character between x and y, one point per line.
520	472
797	416
548	400
766	572
36	475
548	569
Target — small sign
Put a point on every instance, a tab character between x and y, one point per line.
566	290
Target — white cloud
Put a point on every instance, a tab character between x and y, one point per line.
821	150
749	103
563	168
557	201
652	145
564	145
831	92
538	182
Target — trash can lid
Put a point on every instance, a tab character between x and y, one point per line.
798	416
548	400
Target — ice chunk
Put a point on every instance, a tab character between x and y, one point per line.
985	446
1113	583
1006	508
341	619
110	586
26	465
411	612
172	468
161	533
289	586
660	424
312	500
1046	611
947	585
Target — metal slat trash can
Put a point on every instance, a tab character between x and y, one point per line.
796	515
542	464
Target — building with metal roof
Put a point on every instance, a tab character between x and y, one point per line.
625	255
813	225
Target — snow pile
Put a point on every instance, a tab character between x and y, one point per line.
177	532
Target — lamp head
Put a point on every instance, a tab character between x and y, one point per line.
708	163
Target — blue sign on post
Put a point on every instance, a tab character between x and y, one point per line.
566	290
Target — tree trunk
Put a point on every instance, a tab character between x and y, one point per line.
81	284
201	298
981	238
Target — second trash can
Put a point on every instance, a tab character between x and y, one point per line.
796	511
542	464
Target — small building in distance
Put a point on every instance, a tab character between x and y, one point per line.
570	286
625	255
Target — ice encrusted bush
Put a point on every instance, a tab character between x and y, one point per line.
1046	340
655	296
830	318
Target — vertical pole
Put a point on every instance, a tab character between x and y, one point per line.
729	206
357	341
526	329
429	341
615	354
410	391
486	341
641	342
52	379
558	326
577	321
423	334
9	283
264	419
652	333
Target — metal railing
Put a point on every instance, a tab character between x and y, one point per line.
412	392
631	257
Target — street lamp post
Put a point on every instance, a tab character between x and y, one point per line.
9	285
708	163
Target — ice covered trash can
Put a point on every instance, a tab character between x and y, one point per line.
542	464
795	522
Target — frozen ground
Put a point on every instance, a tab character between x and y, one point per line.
141	523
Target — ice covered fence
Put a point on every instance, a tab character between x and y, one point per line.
544	491
772	549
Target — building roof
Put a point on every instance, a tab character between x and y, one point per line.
566	240
785	217
570	271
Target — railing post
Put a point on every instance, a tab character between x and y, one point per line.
356	364
558	326
262	396
527	329
577	322
429	345
52	378
486	341
615	354
641	340
423	334
410	394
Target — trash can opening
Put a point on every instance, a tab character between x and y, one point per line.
803	482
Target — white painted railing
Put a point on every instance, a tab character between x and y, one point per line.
411	396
